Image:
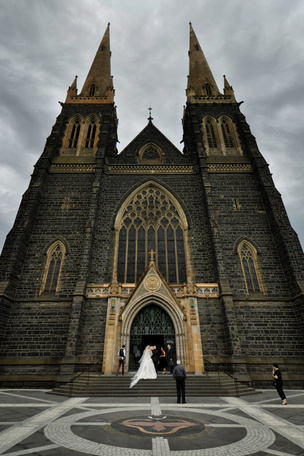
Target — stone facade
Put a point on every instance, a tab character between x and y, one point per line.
225	198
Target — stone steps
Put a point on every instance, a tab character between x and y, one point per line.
111	386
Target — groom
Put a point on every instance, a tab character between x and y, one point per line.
155	357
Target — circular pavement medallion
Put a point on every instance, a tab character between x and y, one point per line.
104	432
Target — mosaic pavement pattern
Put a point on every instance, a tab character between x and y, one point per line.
32	422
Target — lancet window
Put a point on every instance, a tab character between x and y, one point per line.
91	133
151	221
250	267
73	140
53	268
81	136
210	130
220	136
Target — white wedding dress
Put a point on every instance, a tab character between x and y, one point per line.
146	369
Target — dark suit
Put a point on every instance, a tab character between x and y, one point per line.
180	376
155	358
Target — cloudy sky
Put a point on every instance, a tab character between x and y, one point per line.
257	44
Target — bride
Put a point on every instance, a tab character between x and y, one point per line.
146	369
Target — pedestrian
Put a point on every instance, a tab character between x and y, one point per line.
179	374
278	382
170	358
121	360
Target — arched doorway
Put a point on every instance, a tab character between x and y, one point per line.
151	325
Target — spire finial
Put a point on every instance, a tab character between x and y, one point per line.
150	118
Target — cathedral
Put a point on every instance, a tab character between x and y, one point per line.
151	244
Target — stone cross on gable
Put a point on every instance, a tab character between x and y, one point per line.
152	252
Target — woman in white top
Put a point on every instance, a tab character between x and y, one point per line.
146	369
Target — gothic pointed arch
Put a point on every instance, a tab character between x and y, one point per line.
230	140
90	135
81	136
151	218
211	137
150	154
167	306
55	256
71	140
248	256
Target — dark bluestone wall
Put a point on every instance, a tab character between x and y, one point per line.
79	207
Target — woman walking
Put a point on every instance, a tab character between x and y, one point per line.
278	382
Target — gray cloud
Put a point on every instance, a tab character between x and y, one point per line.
258	45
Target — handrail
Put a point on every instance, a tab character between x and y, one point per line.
71	382
235	380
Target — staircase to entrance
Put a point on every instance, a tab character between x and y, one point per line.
97	385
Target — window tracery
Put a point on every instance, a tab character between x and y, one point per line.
81	136
151	220
250	267
150	154
53	267
220	137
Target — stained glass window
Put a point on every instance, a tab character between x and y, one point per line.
151	222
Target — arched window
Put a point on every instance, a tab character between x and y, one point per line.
150	154
151	220
91	133
81	136
220	137
72	138
53	267
227	132
74	135
210	135
248	257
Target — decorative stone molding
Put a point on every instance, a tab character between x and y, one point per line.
73	168
229	168
150	169
200	290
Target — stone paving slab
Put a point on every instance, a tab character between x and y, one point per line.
32	422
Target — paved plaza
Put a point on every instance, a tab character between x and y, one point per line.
33	422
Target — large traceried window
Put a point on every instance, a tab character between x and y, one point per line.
151	220
250	267
53	267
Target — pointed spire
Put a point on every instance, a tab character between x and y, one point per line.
99	80
202	87
98	87
201	81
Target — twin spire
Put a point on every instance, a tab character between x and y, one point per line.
98	87
202	87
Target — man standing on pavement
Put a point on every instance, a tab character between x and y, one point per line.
179	374
121	357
